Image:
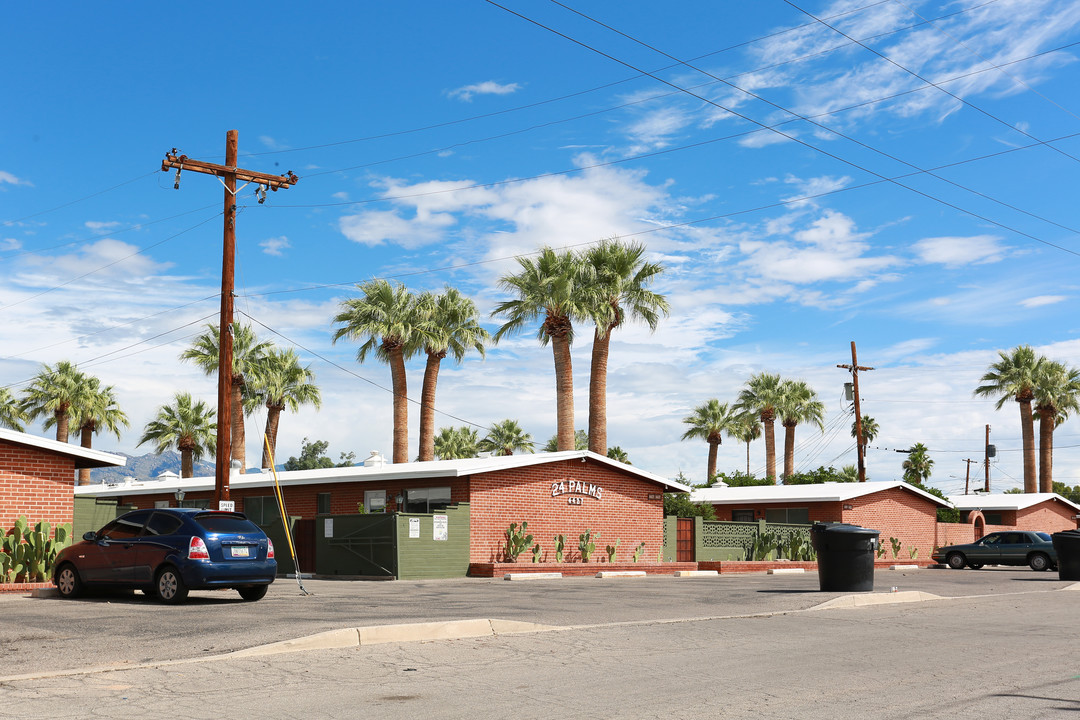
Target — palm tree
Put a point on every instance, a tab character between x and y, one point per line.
1057	393
11	415
284	384
456	443
617	454
248	356
620	279
581	442
763	394
386	320
800	404
1013	376
98	411
449	325
505	437
747	428
917	466
869	429
551	285
185	425
708	422
53	393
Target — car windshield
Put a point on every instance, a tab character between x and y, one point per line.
1043	536
227	523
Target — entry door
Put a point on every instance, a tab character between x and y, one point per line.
684	548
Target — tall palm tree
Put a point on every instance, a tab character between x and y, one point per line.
617	454
185	425
53	393
386	320
708	422
917	466
552	286
11	415
284	384
870	429
1057	393
747	429
799	404
581	442
449	325
1013	377
248	356
620	279
98	411
456	443
763	394
505	437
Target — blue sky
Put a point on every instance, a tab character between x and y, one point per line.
916	195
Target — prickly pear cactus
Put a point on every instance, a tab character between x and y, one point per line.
586	544
516	541
560	545
612	549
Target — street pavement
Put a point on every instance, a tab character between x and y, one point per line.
736	646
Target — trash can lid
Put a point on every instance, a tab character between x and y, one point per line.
845	528
1067	533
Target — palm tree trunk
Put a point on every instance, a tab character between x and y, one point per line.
401	405
62	431
1046	452
770	448
427	406
273	421
789	449
1028	429
564	392
187	464
598	395
748	458
239	441
713	446
87	440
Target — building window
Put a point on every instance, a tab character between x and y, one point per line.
261	510
788	516
426	500
993	518
197	504
322	503
375	501
742	515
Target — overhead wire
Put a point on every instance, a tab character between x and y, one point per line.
8	223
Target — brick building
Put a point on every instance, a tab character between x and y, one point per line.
1046	512
37	476
556	493
895	509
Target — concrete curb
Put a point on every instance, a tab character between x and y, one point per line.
903	567
620	574
697	573
786	571
533	576
849	601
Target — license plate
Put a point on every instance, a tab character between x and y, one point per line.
241	551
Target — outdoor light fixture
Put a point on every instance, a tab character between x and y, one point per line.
179	495
398	499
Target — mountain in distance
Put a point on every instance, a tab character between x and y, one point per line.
147	467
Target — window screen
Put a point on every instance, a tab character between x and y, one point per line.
261	509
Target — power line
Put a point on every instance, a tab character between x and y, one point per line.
8	223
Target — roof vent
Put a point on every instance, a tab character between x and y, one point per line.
375	459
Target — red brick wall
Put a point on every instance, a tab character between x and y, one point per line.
898	513
36	484
624	510
1050	516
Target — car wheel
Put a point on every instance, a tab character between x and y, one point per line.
68	583
975	566
955	560
253	593
1039	562
170	586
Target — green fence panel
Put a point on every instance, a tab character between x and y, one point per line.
362	545
421	555
723	540
92	514
671	535
276	532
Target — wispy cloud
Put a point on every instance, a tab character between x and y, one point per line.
101	227
488	87
1040	300
956	252
275	246
9	179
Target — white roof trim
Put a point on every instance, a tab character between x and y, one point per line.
84	457
821	492
1006	501
358	473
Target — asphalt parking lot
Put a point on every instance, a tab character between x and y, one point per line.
50	634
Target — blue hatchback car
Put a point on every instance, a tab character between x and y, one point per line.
168	551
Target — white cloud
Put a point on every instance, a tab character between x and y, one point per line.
275	245
8	178
271	144
9	244
1041	300
101	227
956	252
488	87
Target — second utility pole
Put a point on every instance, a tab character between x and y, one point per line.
860	450
228	174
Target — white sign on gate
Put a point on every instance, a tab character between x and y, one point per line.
414	527
441	527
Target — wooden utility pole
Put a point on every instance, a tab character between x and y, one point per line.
987	460
228	175
860	443
967	477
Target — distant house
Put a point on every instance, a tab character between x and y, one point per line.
895	509
1048	512
37	476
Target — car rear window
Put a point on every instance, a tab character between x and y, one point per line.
227	523
1044	536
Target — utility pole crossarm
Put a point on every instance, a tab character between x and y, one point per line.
173	161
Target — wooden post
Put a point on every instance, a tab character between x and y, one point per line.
860	449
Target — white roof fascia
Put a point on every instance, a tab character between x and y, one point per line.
819	492
1006	501
95	458
402	471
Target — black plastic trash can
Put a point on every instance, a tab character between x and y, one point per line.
1067	547
845	556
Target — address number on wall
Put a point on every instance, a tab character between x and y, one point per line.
575	501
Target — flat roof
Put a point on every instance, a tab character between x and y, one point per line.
84	457
377	473
1006	501
819	492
